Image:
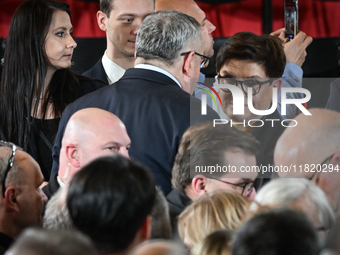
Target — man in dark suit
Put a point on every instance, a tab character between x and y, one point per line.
197	163
153	99
120	20
89	134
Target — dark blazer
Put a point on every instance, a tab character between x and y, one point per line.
52	187
333	102
156	113
268	136
97	71
177	202
5	243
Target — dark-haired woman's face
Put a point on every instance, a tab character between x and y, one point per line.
59	44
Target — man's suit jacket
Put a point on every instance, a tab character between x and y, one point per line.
52	187
156	113
268	135
97	71
333	102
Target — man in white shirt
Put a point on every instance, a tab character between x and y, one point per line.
120	19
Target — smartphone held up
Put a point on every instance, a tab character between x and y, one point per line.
291	18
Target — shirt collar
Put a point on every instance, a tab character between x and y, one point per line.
113	71
61	184
160	70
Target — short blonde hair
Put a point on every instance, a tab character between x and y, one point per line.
220	209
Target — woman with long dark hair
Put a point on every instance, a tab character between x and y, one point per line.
37	83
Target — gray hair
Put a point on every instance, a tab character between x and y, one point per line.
57	216
164	35
43	241
15	176
286	191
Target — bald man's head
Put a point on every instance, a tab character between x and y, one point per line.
190	8
311	141
91	133
312	148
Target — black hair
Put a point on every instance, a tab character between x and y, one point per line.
109	199
24	71
265	50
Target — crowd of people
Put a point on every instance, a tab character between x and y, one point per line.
127	158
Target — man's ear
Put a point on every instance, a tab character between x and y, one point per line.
11	195
187	65
335	160
143	233
101	20
72	154
277	83
199	185
145	230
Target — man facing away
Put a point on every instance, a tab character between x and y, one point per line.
110	200
153	99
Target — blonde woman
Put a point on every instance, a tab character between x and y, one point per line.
220	209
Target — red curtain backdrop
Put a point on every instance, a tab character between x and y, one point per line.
318	19
83	17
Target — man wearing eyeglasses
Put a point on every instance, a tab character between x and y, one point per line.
21	199
153	99
295	50
221	149
312	148
257	62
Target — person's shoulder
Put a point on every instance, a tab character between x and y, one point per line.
94	68
97	71
90	84
94	98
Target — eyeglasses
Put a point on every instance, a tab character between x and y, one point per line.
254	84
205	60
245	186
323	162
10	162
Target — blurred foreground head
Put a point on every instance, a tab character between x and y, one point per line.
110	200
51	242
